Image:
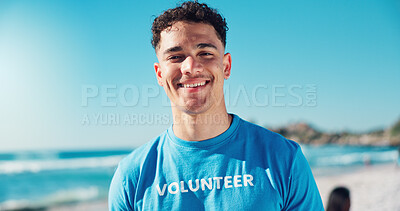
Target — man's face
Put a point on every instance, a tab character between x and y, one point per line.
192	66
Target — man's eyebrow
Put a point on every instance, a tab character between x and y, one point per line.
173	49
206	45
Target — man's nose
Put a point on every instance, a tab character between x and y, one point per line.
190	66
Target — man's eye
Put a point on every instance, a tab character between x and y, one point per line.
206	54
174	57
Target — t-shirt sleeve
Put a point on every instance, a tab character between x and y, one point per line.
118	196
303	193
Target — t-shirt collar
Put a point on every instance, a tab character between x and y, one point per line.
216	141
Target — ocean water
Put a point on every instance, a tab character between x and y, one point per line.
47	178
336	159
41	179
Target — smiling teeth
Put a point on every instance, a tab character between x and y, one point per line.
194	85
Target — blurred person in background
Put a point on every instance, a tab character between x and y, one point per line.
339	200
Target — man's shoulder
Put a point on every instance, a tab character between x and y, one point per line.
139	155
266	137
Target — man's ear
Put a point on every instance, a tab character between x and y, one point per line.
158	73
227	62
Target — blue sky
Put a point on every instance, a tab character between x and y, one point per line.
79	74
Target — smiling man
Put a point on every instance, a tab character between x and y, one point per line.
208	159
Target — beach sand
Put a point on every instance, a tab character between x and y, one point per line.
372	188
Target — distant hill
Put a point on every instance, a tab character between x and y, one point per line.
304	133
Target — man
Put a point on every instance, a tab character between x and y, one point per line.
208	159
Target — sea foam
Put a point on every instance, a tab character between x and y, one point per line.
34	166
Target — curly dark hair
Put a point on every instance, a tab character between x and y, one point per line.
192	12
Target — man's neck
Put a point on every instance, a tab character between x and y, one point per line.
199	127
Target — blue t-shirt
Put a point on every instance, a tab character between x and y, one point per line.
245	168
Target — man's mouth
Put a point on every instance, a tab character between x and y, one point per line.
192	85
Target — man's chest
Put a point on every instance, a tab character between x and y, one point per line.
208	185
